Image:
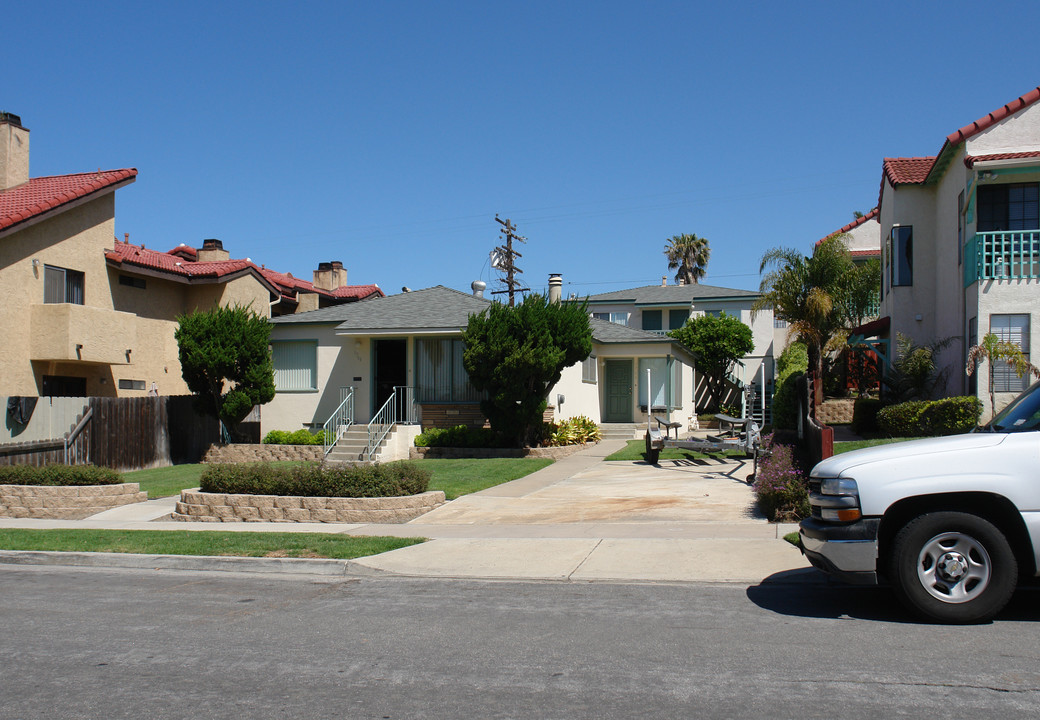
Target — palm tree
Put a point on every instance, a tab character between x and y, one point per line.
820	296
688	255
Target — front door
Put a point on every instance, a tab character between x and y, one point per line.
391	369
617	393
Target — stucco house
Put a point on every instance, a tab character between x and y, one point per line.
659	308
89	315
961	253
410	345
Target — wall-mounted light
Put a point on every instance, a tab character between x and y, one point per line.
986	175
36	263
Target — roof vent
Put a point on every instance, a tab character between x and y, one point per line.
478	287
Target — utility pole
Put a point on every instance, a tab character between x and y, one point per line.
503	258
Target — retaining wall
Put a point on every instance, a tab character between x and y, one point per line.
453	453
245	453
65	502
219	507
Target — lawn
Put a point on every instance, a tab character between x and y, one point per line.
454	477
635	450
166	481
850	445
203	542
464	476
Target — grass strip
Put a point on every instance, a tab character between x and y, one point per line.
794	539
850	445
635	450
202	542
463	476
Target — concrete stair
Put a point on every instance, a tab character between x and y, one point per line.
351	447
621	431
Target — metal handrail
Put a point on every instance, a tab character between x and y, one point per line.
381	424
338	423
406	410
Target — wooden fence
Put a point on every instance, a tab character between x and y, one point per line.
123	434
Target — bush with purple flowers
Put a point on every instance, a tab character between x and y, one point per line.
782	491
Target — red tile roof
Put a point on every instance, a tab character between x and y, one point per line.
865	253
907	171
180	262
854	224
970	160
39	195
290	285
994	117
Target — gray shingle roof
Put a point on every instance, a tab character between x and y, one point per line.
608	333
433	309
671	294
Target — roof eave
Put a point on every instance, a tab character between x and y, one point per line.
48	214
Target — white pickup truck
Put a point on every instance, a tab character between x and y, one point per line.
952	523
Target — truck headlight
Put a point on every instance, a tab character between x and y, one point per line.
837	500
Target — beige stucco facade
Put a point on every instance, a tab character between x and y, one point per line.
120	332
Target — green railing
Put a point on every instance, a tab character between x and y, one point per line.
1007	255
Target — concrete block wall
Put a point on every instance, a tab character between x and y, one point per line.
219	507
67	502
245	452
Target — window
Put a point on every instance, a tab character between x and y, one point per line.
658	377
1013	328
62	286
295	365
1013	206
677	318
960	227
131	281
652	320
588	369
63	386
779	322
131	384
618	318
901	256
440	376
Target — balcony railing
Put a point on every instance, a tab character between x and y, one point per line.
1007	255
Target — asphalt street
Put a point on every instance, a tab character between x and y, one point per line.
104	643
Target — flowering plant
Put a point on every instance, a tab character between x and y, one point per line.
779	485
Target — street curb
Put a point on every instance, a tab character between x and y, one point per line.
278	566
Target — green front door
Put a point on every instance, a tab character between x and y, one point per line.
617	393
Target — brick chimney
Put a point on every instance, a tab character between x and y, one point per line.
212	250
330	275
14	151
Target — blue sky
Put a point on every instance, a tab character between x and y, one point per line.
387	135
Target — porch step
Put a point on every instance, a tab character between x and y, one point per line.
621	431
352	446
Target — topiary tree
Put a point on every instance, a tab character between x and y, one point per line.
226	361
717	341
516	354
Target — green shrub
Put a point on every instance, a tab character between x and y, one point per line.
953	416
316	480
58	475
791	365
779	485
460	436
577	430
299	437
864	415
929	418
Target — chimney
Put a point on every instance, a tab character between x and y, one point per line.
330	275
478	288
212	250
682	281
664	281
14	151
555	287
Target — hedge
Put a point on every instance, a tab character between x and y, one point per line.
864	415
316	480
299	437
460	436
58	475
929	418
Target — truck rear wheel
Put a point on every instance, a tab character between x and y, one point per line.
953	567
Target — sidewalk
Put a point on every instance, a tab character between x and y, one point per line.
579	519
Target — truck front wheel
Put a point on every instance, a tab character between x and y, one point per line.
953	567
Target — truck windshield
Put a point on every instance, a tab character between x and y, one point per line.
1021	415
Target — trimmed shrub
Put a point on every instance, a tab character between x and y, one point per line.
791	365
299	437
864	415
58	475
460	436
781	489
573	431
316	480
929	418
